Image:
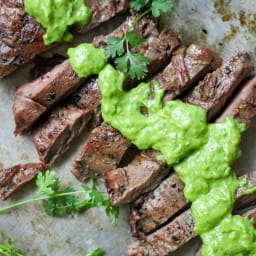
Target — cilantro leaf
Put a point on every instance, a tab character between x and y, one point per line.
47	182
161	6
137	5
115	47
111	211
138	65
96	252
133	39
122	63
62	204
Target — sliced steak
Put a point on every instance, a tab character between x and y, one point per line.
243	106
53	135
163	203
212	93
186	66
172	236
21	36
241	65
153	209
103	151
134	178
11	179
35	98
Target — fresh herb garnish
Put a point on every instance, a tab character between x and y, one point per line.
62	202
9	250
96	252
135	64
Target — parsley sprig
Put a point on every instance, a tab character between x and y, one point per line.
135	64
9	250
62	202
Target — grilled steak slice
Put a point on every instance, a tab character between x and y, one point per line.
244	68
103	151
170	237
53	137
21	37
212	93
43	65
11	179
243	106
133	179
186	66
155	208
33	99
54	134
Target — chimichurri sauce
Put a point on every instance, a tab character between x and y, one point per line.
57	15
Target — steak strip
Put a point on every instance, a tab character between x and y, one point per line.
53	135
21	36
176	233
106	147
155	208
13	178
219	85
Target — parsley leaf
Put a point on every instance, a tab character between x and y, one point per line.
115	47
137	5
161	6
96	252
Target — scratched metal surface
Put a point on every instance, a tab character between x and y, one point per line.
224	26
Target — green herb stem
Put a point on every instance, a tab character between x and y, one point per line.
35	199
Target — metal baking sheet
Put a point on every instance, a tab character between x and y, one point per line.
224	26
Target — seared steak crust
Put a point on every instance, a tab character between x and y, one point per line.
145	172
155	208
21	36
243	106
12	178
212	93
103	151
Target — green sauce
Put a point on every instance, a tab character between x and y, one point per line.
175	129
81	59
201	153
57	15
